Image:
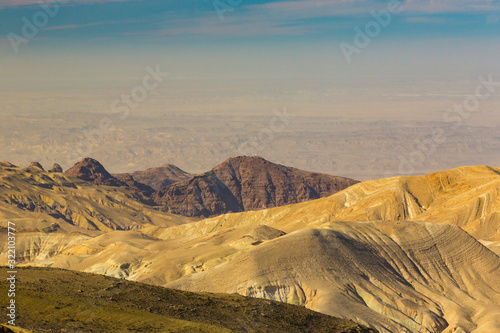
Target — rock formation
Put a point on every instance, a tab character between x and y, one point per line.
56	168
246	183
133	185
36	165
92	171
161	176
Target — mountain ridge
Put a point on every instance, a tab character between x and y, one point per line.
75	301
246	183
161	176
382	268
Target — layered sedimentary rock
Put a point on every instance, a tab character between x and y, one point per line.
247	183
395	276
36	200
355	254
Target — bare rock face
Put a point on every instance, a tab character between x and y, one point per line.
56	168
127	179
92	171
161	176
246	183
36	165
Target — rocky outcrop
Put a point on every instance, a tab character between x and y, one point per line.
135	186
56	168
161	176
36	165
92	171
247	183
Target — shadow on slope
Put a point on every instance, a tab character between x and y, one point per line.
57	300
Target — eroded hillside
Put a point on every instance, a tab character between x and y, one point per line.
394	273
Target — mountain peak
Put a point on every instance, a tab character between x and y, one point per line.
56	168
161	176
243	160
93	171
247	183
36	165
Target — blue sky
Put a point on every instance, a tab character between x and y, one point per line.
163	20
262	55
279	38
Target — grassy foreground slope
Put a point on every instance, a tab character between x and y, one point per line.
54	300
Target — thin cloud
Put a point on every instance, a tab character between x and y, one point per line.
239	30
75	26
21	3
87	25
349	7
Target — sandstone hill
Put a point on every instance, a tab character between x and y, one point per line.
45	201
246	183
56	168
398	276
395	276
355	254
92	171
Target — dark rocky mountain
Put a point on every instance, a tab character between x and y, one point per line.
36	165
161	176
92	171
56	168
134	185
246	183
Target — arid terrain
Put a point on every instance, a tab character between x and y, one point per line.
402	254
246	183
79	302
250	166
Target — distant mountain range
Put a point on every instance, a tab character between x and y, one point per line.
246	183
402	254
161	176
238	184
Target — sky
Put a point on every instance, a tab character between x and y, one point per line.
211	39
361	60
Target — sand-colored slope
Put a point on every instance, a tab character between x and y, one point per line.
413	276
468	197
396	276
171	253
36	200
139	255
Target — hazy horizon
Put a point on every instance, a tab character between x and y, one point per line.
65	64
